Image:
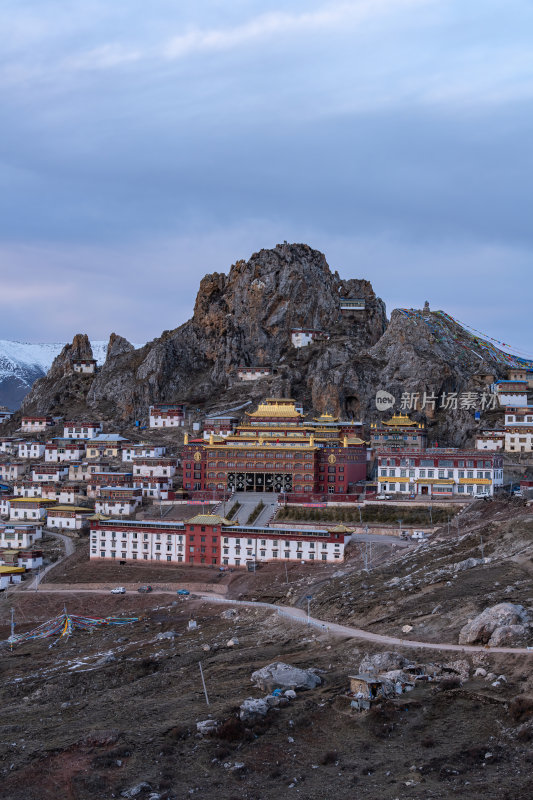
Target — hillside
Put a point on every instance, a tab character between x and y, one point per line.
246	318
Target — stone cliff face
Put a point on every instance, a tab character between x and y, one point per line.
245	318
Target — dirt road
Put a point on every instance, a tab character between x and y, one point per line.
299	615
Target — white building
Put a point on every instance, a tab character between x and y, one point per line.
253	373
31	449
82	430
28	489
9	445
60	492
166	415
9	576
68	517
301	337
28	508
491	440
35	424
154	467
242	545
19	535
511	393
137	540
116	500
85	470
133	451
48	473
84	366
11	470
352	304
59	450
156	488
439	472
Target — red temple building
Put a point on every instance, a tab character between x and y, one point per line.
277	450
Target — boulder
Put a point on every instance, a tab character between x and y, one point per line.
378	663
285	676
504	622
253	709
206	726
229	613
468	563
135	791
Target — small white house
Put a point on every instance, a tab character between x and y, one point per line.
253	373
301	337
166	415
59	492
115	500
31	509
69	517
49	473
84	366
155	488
59	450
36	424
11	470
27	489
19	535
154	467
31	449
133	451
82	430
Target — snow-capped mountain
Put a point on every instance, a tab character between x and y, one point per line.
22	363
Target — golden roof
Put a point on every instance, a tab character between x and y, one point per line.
208	519
340	528
326	418
275	408
400	420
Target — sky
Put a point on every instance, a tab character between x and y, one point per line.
143	145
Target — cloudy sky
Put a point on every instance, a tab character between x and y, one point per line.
145	144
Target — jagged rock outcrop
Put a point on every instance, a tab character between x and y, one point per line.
117	346
246	318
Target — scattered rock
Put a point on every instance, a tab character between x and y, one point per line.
253	709
135	791
229	613
468	563
480	673
206	726
290	693
285	676
382	662
232	642
102	738
504	623
166	635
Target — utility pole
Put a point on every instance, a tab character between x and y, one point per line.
203	682
482	546
360	516
286	573
12	628
431	515
400	526
308	597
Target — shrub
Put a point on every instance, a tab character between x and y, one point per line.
521	708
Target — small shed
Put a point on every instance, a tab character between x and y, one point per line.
367	686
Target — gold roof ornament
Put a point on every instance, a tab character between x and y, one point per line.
186	438
340	528
400	421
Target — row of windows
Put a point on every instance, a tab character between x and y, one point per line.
430	462
431	473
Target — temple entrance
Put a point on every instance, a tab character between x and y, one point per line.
259	482
424	489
